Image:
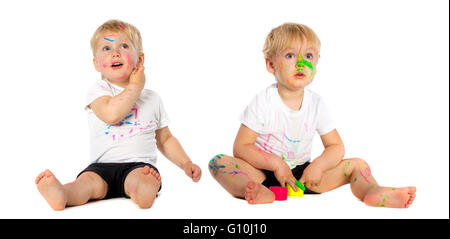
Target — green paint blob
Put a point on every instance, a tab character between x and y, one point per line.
236	166
302	62
348	163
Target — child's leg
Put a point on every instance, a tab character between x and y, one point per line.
142	185
240	179
87	186
363	185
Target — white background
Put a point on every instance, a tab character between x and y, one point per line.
383	72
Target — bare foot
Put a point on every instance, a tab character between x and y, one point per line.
148	186
51	189
391	197
255	193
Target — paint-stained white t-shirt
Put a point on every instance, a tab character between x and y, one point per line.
285	132
133	138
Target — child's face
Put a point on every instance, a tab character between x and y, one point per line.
115	56
295	66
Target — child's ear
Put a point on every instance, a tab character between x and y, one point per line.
141	58
269	65
96	65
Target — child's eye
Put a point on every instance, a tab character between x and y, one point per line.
124	46
289	56
106	48
309	56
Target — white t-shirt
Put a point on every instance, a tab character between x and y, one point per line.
285	132
132	139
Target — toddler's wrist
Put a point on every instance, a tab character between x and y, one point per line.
185	165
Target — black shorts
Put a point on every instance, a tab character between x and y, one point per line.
271	180
114	175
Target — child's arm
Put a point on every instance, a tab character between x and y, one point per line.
112	110
245	149
332	154
169	146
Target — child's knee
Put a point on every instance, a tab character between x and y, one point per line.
99	186
356	163
361	162
217	163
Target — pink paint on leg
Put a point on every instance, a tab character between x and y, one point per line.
366	174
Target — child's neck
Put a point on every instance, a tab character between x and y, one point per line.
291	98
122	84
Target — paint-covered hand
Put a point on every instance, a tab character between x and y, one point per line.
193	171
312	176
284	174
137	77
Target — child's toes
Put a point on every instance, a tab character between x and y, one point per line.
145	170
155	174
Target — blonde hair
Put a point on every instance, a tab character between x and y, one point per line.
280	37
118	26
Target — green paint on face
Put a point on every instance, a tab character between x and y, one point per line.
302	62
236	166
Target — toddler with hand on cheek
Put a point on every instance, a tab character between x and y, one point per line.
127	124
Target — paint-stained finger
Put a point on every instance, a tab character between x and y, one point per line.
292	184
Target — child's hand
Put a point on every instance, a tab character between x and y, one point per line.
137	77
312	176
284	175
193	171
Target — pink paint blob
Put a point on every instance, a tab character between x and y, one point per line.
262	153
135	112
129	62
366	174
122	26
265	144
108	36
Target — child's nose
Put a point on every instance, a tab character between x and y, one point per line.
116	53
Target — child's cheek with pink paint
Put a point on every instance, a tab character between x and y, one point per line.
103	67
101	62
131	64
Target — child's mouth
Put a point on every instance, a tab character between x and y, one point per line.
300	75
116	66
